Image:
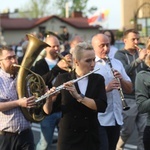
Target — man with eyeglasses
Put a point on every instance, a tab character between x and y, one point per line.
133	62
111	120
15	130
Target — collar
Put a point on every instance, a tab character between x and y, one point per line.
3	73
97	59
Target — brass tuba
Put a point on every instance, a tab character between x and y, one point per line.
31	83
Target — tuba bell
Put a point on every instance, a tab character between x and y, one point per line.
31	83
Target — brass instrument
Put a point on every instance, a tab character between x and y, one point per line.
68	63
124	104
139	49
32	84
62	86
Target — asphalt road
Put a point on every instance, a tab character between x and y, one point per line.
131	144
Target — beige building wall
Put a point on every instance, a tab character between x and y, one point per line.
128	10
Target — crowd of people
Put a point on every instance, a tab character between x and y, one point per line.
89	113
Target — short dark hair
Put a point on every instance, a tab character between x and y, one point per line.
112	36
8	48
125	34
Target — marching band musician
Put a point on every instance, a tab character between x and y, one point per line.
142	91
132	60
49	67
15	130
80	102
111	120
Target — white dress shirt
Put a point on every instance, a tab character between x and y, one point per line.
113	113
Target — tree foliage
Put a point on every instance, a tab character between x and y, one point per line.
41	8
35	9
76	5
79	5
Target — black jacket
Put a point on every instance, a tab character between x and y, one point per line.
78	129
41	68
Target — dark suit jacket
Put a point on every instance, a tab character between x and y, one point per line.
41	67
78	129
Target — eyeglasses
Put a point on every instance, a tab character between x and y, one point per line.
9	58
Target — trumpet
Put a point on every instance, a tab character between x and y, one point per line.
124	104
63	58
61	87
139	49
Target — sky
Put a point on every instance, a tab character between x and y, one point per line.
112	22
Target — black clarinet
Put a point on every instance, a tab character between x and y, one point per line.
124	104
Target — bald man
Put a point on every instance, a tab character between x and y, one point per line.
111	69
49	67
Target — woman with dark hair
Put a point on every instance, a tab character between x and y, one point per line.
111	37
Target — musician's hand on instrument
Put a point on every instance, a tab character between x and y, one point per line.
68	57
52	98
142	54
114	84
63	65
27	102
71	88
117	75
46	88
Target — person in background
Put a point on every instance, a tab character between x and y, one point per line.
142	92
15	130
74	41
132	60
24	48
115	77
111	37
80	102
49	67
65	35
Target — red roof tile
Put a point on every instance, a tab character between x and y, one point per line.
24	23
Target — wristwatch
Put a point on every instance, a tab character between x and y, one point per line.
81	98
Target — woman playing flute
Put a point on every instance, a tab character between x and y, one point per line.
80	102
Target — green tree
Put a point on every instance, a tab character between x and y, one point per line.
79	5
35	9
60	4
41	8
76	5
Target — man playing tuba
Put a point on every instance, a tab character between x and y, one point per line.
15	130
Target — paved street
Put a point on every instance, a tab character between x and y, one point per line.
131	144
36	132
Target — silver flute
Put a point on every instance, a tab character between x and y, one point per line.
62	86
124	104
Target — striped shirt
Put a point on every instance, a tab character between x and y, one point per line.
11	120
